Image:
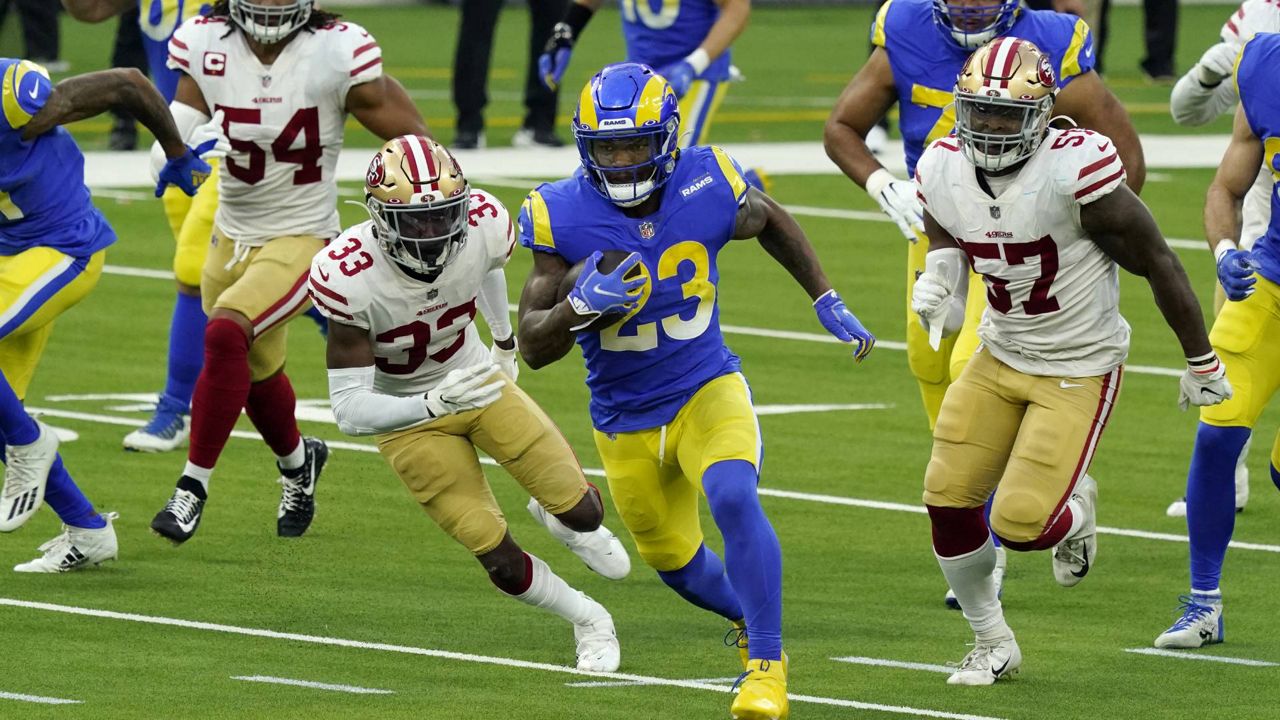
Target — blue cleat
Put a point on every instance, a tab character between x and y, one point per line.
168	429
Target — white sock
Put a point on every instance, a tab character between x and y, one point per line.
549	592
970	577
199	474
295	459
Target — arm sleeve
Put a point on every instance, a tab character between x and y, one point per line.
492	302
26	89
359	410
180	42
534	225
1193	104
335	301
1095	169
360	58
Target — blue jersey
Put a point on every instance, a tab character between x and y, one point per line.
661	32
925	61
643	369
1260	98
43	198
158	19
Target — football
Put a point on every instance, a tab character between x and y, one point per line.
608	263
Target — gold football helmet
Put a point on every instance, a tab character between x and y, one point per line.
418	199
1004	97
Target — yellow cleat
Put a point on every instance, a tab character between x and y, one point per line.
762	692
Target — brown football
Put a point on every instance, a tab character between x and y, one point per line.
609	262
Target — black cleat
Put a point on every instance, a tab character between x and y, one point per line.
298	497
178	521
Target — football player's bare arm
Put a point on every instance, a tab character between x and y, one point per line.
188	93
939	239
1088	101
82	96
734	15
95	11
782	237
348	347
545	318
865	100
1122	226
1236	173
384	108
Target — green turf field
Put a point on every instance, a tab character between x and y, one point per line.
376	597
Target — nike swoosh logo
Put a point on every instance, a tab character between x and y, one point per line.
1103	147
1000	670
323	275
1067	386
1084	570
35	91
601	291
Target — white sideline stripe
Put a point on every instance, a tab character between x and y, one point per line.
597	472
353	689
40	699
591	684
903	664
729	329
462	657
1184	655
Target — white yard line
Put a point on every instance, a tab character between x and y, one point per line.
596	684
597	472
458	657
38	699
1185	655
353	689
900	664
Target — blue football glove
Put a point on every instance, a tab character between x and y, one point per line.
597	293
679	75
554	59
187	172
838	321
1235	272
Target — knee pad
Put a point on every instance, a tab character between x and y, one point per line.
224	338
956	530
1018	518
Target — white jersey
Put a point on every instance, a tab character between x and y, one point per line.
284	121
1251	18
1052	294
420	330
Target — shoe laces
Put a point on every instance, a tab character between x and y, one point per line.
294	497
184	505
1071	551
59	545
736	637
979	658
1192	612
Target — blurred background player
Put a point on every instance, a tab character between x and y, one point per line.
190	220
921	45
52	246
1044	216
1199	97
41	36
671	409
283	76
421	381
1246	334
686	41
478	21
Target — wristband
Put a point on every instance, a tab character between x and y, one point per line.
1225	245
699	60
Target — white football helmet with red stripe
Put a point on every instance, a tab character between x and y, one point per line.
418	199
1004	97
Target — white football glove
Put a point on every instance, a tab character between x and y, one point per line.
506	359
1217	63
463	389
934	296
211	130
1204	382
898	200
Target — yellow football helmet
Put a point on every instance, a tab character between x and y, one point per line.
418	199
1004	97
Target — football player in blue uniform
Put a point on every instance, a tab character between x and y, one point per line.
671	410
1246	335
52	245
685	41
920	48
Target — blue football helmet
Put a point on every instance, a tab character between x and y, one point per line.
972	25
627	127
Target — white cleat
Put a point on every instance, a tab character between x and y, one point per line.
25	477
598	649
987	663
599	549
169	429
1073	557
75	549
1002	559
1200	624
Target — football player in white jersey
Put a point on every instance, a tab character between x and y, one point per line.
1205	93
406	364
1044	216
278	78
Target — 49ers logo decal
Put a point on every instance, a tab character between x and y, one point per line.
1045	72
377	172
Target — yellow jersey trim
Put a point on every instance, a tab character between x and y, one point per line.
877	35
731	173
1071	58
536	208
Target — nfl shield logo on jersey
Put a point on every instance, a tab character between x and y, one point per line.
432	293
995	212
646	230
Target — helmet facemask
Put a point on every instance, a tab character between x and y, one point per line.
270	24
422	238
973	25
628	166
997	133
